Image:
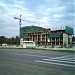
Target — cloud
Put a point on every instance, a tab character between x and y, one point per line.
48	12
7	14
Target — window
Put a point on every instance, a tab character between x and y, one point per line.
61	43
57	43
43	36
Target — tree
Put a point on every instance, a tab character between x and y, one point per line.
17	40
2	39
13	40
73	39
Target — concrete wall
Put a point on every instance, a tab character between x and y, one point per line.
70	37
21	41
65	39
29	44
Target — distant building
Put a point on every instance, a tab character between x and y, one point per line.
32	36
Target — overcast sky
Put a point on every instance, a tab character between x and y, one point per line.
54	14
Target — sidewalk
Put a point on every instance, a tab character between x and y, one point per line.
57	48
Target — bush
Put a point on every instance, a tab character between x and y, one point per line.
61	46
70	45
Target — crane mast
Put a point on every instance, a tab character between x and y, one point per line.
20	23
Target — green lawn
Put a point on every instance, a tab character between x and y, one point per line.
8	67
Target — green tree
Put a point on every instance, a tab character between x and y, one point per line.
13	40
2	39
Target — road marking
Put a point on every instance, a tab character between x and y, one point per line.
67	59
71	59
45	62
60	61
62	57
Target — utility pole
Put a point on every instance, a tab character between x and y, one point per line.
20	23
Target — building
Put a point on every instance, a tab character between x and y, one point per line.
32	36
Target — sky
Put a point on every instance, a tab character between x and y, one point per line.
53	14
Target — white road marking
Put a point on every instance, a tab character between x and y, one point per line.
62	57
67	59
60	61
45	62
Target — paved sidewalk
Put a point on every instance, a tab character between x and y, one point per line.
57	48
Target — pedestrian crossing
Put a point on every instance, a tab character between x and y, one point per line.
68	61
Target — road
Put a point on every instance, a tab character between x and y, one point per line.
62	60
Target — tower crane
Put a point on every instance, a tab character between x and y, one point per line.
20	22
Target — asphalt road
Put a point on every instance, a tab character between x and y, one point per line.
62	60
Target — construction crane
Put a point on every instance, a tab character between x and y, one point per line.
20	22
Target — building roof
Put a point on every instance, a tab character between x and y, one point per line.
34	29
31	29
